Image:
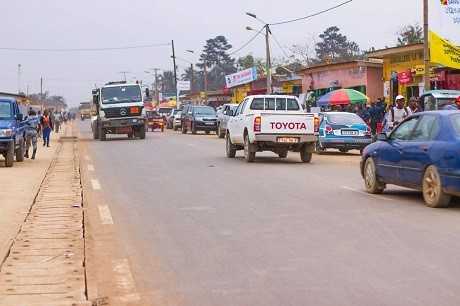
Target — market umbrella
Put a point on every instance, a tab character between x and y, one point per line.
342	97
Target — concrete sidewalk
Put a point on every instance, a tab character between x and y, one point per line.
19	186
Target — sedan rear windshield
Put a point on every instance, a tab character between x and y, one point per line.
344	119
5	109
278	104
455	119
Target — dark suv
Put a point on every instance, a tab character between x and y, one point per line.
199	118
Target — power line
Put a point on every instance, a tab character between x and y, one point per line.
312	15
83	49
279	45
248	42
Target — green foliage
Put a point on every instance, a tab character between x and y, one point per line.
410	34
335	46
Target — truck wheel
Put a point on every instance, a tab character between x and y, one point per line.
305	154
230	149
102	134
433	194
142	132
249	153
220	133
20	152
283	154
95	132
9	157
193	129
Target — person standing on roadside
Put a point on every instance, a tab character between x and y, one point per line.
398	113
414	105
32	133
47	127
57	121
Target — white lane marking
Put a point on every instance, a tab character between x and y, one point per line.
105	215
90	168
125	281
95	184
87	158
366	194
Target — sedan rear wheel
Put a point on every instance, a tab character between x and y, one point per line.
371	181
432	189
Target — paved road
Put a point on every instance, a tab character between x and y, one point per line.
205	230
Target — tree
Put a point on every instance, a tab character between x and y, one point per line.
410	34
219	63
167	82
250	61
335	46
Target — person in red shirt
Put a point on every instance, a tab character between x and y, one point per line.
47	127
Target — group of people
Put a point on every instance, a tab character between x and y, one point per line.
40	126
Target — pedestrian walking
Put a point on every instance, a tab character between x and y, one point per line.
414	105
57	121
32	127
397	113
47	127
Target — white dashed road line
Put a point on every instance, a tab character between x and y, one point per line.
95	184
90	168
366	194
105	215
125	282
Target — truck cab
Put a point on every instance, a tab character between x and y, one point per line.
12	131
119	109
440	100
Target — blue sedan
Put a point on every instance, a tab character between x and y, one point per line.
342	131
422	153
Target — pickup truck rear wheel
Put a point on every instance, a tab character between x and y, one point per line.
230	149
193	128
220	133
249	153
20	152
9	156
305	154
102	135
142	132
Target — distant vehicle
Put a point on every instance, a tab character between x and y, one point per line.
119	110
170	118
154	121
165	111
12	131
342	131
422	153
199	118
177	122
440	100
85	110
271	123
223	116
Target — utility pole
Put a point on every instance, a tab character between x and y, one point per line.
191	78
41	91
269	61
157	94
205	82
19	78
175	68
426	47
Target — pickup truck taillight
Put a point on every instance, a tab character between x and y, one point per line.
257	124
316	124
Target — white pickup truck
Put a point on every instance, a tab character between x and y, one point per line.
271	123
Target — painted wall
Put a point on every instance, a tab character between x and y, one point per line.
374	83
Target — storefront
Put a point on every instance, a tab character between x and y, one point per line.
364	76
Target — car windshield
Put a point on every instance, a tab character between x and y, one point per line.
5	109
455	119
165	110
205	111
344	119
121	94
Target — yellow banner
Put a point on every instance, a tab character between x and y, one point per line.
443	52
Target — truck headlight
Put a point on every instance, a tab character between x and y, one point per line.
101	114
6	132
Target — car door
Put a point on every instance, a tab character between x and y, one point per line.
390	153
238	123
416	152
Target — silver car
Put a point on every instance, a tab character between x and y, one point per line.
223	115
177	122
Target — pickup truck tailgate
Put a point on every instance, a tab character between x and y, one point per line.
287	124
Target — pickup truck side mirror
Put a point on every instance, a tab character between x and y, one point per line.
19	117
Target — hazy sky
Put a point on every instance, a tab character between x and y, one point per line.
115	23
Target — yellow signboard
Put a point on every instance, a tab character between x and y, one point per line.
443	52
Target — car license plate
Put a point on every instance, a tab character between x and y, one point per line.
288	140
350	133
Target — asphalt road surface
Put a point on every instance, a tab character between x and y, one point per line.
201	229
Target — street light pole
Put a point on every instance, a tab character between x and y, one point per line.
426	47
175	67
